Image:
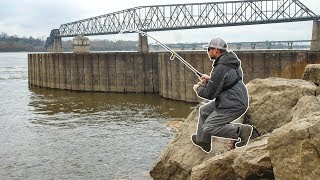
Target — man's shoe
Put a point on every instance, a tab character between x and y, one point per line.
245	134
206	147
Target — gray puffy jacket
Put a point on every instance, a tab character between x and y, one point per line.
231	100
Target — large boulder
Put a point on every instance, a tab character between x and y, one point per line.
294	149
307	106
180	155
289	107
272	101
250	162
312	73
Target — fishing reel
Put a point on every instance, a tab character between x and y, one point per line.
202	83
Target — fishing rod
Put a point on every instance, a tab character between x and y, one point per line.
173	53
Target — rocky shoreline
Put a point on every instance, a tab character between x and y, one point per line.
287	114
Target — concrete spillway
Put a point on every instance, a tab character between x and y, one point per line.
153	72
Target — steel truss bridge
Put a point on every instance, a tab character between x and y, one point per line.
188	16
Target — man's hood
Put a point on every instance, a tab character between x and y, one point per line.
229	59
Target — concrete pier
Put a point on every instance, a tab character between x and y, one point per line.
54	43
56	46
154	72
81	44
315	43
143	44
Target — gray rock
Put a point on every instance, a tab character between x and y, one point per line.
180	156
312	73
252	161
272	101
306	106
288	108
294	149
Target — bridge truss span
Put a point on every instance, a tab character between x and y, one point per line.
188	16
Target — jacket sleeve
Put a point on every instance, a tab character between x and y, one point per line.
214	86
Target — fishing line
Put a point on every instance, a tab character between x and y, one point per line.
173	53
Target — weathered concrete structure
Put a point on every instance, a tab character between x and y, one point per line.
176	81
315	43
154	72
81	44
56	46
143	44
108	72
54	43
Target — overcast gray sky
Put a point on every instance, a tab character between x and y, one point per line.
38	17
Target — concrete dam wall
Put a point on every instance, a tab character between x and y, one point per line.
109	72
154	72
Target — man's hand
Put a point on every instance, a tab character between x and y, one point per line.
204	78
195	87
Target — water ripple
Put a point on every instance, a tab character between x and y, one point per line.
55	134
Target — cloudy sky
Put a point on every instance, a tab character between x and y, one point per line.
38	17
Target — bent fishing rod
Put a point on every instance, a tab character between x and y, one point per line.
173	53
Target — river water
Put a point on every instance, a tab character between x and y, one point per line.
56	134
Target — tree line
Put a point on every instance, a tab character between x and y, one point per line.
13	43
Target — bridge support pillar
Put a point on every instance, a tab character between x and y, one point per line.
253	45
81	44
238	46
143	44
315	43
55	46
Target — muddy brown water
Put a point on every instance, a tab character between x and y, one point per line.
56	134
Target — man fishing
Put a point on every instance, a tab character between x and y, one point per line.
227	91
228	97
